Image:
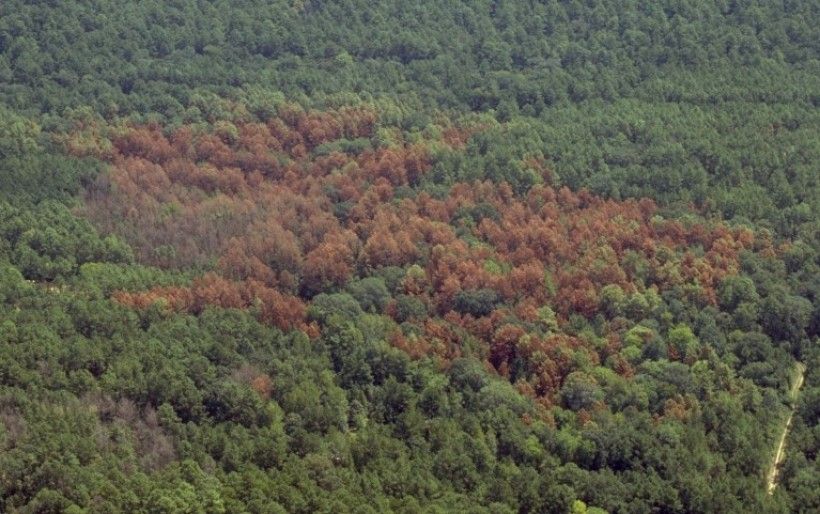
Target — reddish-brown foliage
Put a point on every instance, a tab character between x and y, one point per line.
279	221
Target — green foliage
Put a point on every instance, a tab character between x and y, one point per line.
580	391
684	343
47	242
673	400
324	306
13	286
18	135
29	172
410	308
370	292
547	319
109	277
479	302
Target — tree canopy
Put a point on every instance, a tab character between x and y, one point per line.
345	256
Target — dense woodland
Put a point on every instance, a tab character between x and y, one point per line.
408	256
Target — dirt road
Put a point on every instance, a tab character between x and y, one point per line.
771	479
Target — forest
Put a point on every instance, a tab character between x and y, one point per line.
501	256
